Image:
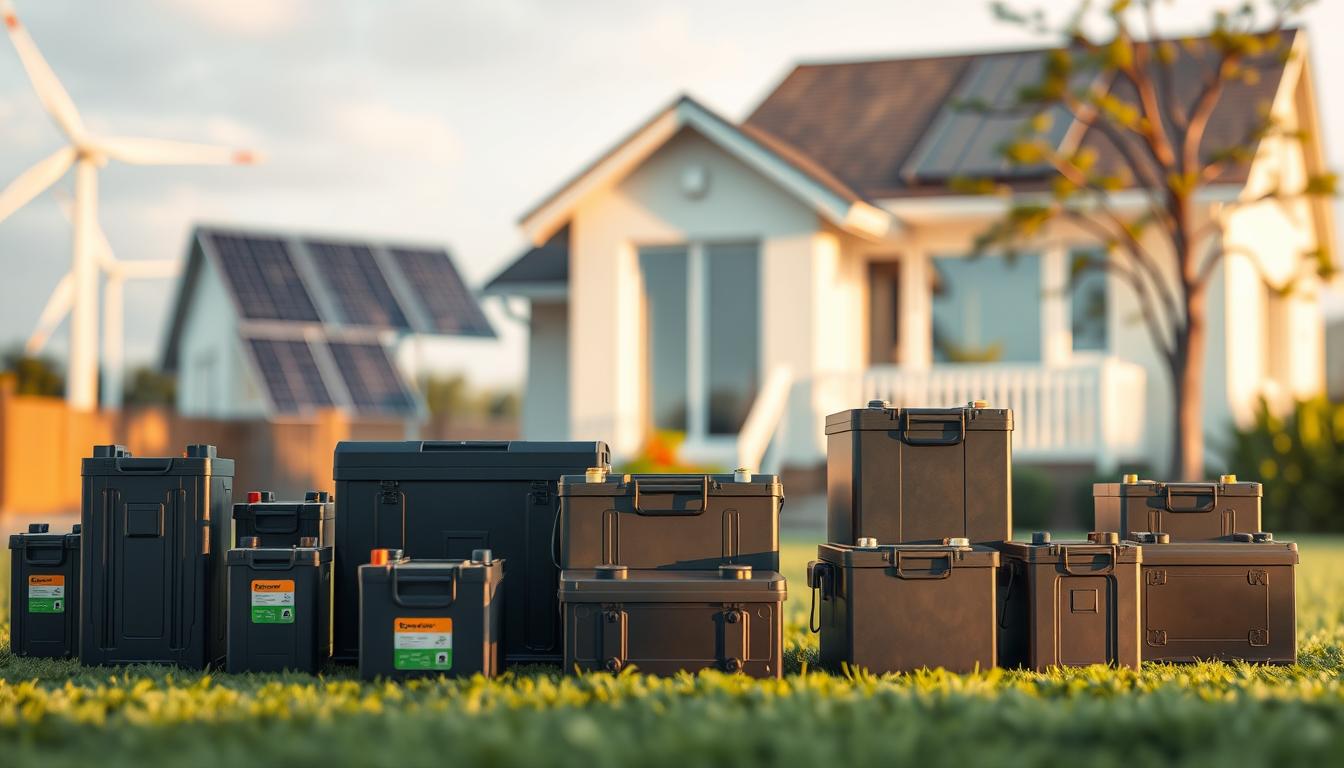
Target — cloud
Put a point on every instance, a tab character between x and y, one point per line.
380	129
247	18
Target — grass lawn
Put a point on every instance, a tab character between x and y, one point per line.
57	714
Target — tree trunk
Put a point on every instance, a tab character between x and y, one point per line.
1187	458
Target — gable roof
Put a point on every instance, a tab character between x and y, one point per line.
315	313
791	169
540	272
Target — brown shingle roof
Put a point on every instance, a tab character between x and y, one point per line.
861	120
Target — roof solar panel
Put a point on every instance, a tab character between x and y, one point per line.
450	306
263	278
292	377
352	275
374	383
962	141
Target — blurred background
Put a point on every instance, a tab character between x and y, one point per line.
691	229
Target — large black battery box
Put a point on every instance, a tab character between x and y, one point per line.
279	607
667	621
44	592
285	523
442	500
422	618
901	607
689	522
153	581
919	475
1069	602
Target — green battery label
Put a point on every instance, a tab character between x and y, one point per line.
273	601
46	593
422	644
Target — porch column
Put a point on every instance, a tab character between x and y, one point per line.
1056	322
916	307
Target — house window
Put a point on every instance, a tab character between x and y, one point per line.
702	321
987	309
1088	307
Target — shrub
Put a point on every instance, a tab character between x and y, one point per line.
1033	498
1300	459
661	455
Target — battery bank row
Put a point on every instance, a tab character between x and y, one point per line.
431	559
922	569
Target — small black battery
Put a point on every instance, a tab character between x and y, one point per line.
284	523
429	617
44	592
279	607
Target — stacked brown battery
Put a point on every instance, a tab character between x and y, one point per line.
915	496
667	573
1213	585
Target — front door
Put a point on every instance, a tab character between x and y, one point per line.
884	310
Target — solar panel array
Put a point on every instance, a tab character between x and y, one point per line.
352	274
262	275
374	383
445	298
291	375
964	141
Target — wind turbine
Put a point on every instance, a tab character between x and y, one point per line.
116	273
86	154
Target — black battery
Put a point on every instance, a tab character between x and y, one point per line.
44	592
285	523
279	607
420	618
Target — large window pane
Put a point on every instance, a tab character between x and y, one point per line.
665	284
732	289
987	309
1088	306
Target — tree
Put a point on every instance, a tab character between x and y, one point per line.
150	386
33	375
1136	96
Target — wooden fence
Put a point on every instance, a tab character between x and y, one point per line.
42	442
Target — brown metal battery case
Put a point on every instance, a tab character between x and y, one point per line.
1069	602
687	522
665	621
919	475
1228	600
1185	511
901	607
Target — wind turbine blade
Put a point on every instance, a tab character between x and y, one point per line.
148	269
48	87
58	306
33	181
102	249
159	152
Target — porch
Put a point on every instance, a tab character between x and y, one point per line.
1083	412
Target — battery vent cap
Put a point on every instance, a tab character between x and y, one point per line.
595	475
1129	479
733	571
1227	479
1040	537
1243	537
957	541
866	542
879	404
39	527
1262	537
483	556
384	556
741	475
308	542
978	404
1104	537
612	571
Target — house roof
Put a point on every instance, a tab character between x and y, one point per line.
863	120
315	312
539	272
862	132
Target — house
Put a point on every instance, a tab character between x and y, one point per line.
737	281
272	325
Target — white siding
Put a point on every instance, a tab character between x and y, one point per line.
213	376
546	407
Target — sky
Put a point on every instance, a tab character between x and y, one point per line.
423	119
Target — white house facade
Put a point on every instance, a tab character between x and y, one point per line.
738	282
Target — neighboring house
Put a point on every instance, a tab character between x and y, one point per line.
1334	359
739	281
274	325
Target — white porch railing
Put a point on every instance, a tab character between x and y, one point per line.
1089	411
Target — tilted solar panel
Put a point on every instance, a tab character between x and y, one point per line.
292	378
263	278
374	383
450	306
352	275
